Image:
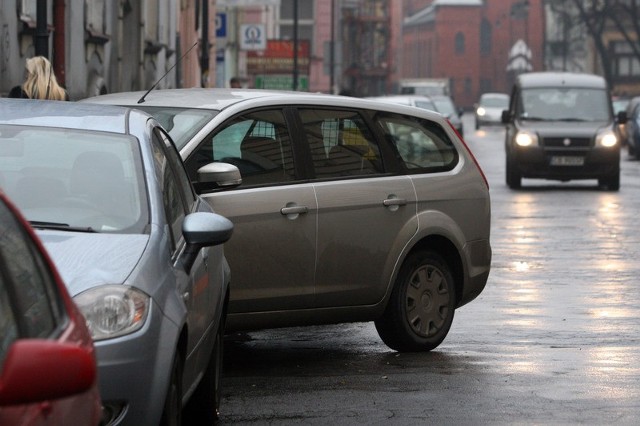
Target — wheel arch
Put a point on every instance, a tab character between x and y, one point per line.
444	247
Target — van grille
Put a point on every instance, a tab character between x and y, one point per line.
559	142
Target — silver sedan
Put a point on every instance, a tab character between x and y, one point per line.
140	252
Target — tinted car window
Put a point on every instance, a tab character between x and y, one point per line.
341	143
257	143
421	145
8	322
178	168
29	286
174	207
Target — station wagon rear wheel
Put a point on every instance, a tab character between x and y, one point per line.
420	311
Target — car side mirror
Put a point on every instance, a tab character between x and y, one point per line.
36	370
202	229
218	175
621	117
505	117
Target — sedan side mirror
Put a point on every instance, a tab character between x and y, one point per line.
621	117
203	229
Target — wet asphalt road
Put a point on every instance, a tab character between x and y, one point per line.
553	339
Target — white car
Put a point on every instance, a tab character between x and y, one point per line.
348	209
418	101
488	110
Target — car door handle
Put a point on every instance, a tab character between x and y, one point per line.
294	210
394	202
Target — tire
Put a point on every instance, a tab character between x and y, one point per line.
420	311
172	411
514	179
204	405
612	182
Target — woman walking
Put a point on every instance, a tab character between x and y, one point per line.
41	82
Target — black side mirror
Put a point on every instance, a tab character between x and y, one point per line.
621	117
506	116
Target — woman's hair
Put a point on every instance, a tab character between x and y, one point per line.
41	82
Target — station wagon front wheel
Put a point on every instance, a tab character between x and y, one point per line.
420	311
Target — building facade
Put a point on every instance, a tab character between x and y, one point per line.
480	46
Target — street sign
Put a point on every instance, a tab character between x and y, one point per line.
221	25
253	37
280	82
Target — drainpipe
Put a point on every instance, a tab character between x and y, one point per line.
59	53
42	35
205	45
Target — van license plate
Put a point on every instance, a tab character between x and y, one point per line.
567	161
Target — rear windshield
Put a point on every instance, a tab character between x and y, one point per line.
564	104
181	123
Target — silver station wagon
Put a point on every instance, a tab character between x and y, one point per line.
347	209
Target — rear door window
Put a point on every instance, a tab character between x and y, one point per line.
341	143
421	145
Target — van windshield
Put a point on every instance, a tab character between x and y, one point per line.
564	104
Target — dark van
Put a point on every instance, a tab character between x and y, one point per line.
560	126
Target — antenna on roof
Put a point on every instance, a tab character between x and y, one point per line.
141	100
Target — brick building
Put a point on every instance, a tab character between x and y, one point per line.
479	45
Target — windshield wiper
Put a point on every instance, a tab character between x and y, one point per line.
524	117
60	226
571	119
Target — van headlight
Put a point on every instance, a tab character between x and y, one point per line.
481	111
113	310
526	138
606	139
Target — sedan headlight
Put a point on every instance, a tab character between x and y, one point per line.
113	310
481	111
606	139
525	138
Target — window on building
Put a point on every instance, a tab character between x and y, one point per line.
459	48
485	37
625	63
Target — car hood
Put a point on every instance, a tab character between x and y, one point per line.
86	260
564	128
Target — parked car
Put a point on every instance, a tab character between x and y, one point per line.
47	359
488	110
561	126
418	101
445	106
140	252
348	210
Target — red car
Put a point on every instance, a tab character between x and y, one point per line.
48	372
